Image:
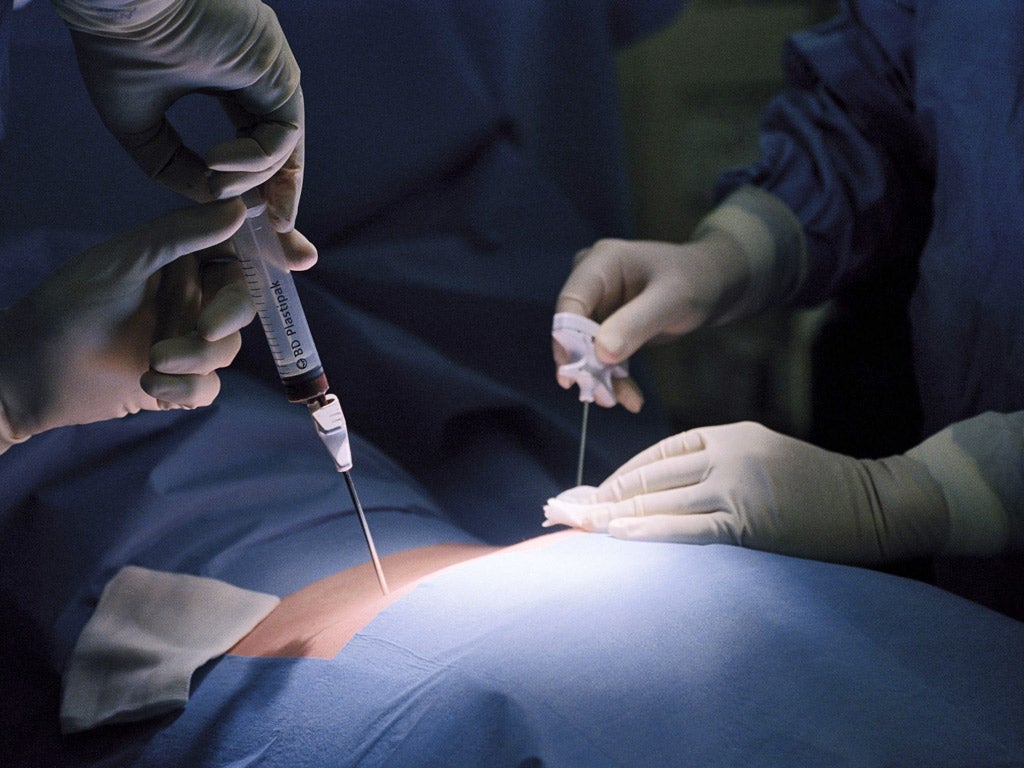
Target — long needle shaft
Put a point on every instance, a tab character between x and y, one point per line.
366	533
583	444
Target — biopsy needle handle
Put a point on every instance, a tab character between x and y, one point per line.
576	333
298	365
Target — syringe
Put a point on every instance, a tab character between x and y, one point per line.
273	293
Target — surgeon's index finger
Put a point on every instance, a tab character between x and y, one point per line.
265	143
636	322
583	289
178	298
190	354
679	444
663	475
269	149
242	163
187	230
158	150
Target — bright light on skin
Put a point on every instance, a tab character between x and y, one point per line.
318	620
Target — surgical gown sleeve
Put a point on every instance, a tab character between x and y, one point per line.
979	464
840	146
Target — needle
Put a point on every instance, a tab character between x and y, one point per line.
575	334
366	533
583	443
275	299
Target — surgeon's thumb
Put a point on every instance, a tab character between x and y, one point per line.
628	328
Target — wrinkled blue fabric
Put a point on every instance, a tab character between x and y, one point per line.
457	156
241	491
587	652
902	131
596	652
592	652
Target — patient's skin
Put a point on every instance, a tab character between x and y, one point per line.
318	620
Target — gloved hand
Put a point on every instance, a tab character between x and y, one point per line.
138	323
138	57
747	254
642	291
744	484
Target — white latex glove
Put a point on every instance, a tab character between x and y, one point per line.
745	255
746	485
642	291
138	57
141	322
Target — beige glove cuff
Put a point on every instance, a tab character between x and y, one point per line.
979	464
772	241
106	17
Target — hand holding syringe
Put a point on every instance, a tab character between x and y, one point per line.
298	365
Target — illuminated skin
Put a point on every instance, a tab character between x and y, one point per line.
319	619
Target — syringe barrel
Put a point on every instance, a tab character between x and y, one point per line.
277	303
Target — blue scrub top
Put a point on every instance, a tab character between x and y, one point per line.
5	66
901	138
